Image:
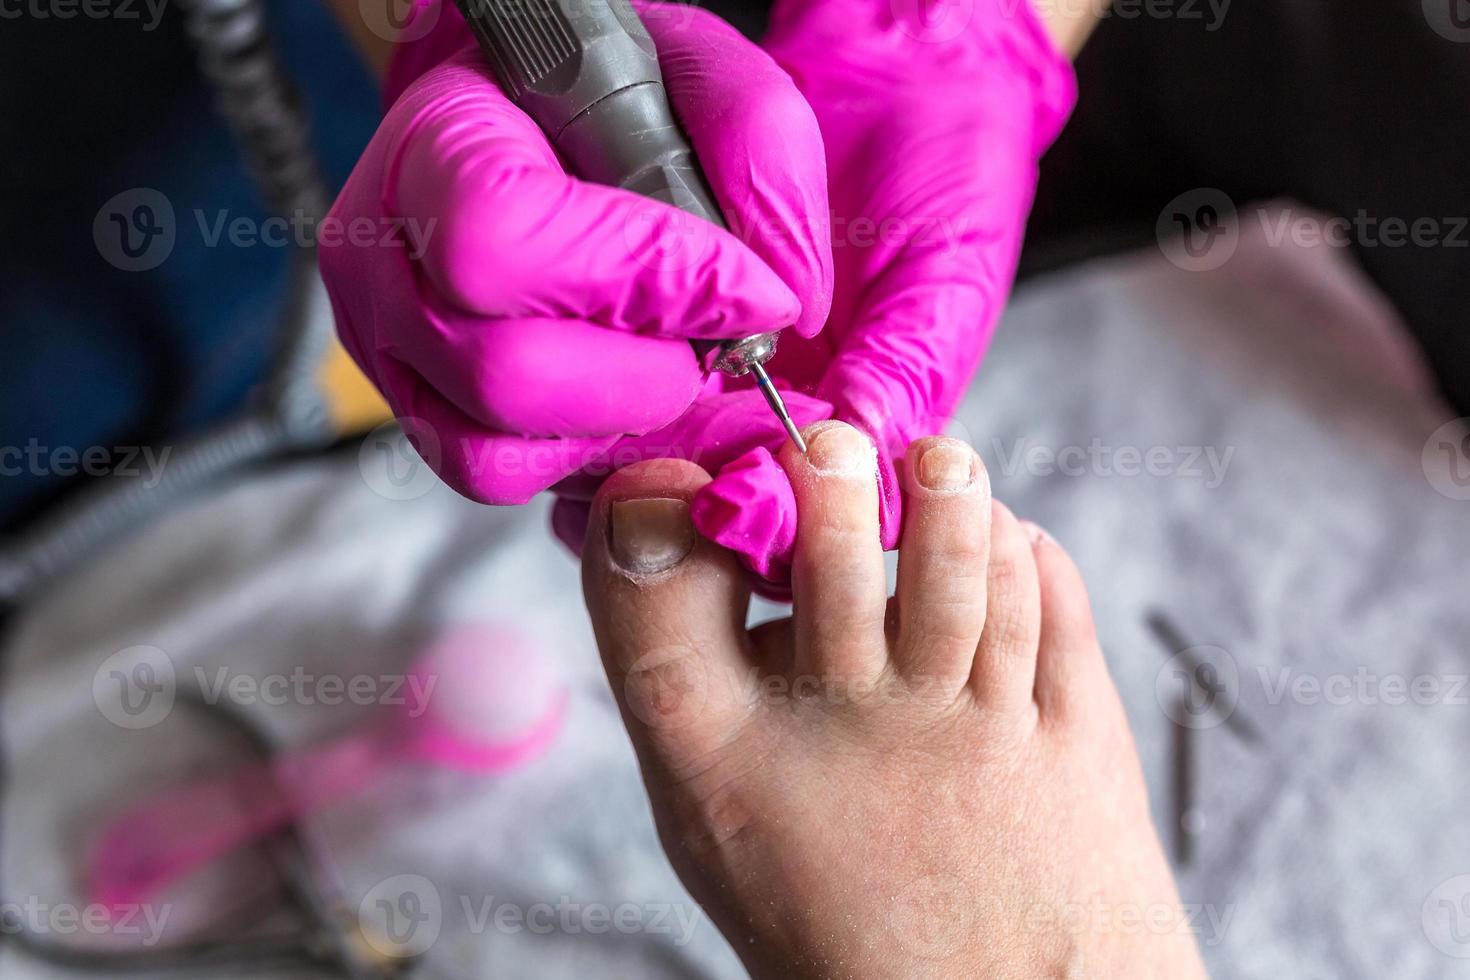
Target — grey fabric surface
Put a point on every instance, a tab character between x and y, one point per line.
1324	552
1312	542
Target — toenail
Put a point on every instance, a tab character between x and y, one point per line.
841	449
652	534
947	466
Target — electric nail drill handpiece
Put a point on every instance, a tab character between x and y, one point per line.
587	73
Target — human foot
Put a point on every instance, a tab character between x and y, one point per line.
941	784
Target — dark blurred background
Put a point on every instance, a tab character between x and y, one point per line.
1341	105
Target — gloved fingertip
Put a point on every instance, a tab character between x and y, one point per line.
753	299
569	519
507	493
890	502
750	509
495	468
815	308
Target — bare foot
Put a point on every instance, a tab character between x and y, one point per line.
942	784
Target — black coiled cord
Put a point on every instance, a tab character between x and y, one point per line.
235	54
287	413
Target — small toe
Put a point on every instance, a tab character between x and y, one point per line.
942	562
1069	663
1005	665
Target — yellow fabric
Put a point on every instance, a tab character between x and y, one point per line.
352	401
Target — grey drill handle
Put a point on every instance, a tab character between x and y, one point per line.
587	72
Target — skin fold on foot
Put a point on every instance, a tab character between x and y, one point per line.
938	784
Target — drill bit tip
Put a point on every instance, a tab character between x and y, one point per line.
773	399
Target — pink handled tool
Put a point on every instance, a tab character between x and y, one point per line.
480	701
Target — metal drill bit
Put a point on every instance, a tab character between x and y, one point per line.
773	399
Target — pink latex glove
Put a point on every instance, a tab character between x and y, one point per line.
531	321
933	125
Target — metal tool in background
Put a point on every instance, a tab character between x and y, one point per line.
1190	817
587	73
330	938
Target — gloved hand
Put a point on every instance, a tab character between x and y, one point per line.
530	321
933	129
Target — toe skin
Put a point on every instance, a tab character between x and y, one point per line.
1070	670
839	588
942	563
668	609
1005	665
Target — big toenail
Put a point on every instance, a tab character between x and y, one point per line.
841	449
650	535
947	466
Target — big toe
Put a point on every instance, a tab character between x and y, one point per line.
668	608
